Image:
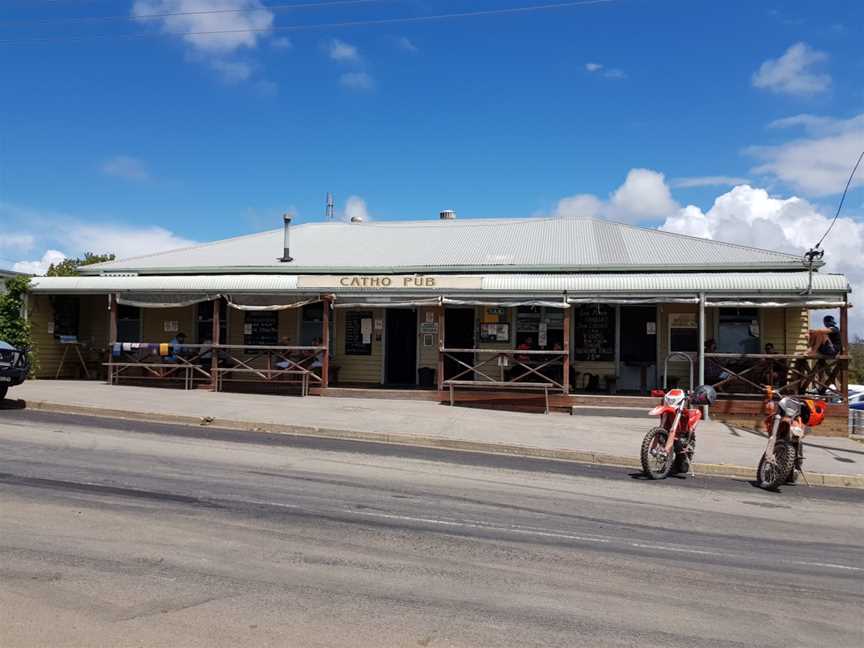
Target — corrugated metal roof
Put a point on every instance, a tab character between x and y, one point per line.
469	245
736	283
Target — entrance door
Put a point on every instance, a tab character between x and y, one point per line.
400	351
638	344
458	334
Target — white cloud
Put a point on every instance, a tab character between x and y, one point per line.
282	42
41	266
793	72
407	45
124	166
355	207
819	163
751	216
644	195
580	206
609	73
214	31
357	80
343	52
55	231
16	241
232	71
706	181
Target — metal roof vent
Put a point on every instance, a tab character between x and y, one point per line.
356	219
447	214
286	239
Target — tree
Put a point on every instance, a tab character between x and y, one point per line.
69	267
14	327
856	361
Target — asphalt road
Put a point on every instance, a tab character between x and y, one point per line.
135	534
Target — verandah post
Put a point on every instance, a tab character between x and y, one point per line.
844	350
441	347
214	348
112	334
566	346
325	340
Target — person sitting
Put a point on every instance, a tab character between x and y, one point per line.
176	347
825	341
714	373
774	369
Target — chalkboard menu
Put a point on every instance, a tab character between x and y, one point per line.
358	341
262	328
594	332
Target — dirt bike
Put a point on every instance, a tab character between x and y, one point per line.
786	426
669	448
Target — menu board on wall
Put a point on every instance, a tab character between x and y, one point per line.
261	328
593	332
358	340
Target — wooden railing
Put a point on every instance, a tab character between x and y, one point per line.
269	364
194	363
512	368
748	374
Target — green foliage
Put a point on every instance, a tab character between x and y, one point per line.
856	362
68	267
14	328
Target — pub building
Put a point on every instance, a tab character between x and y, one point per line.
552	312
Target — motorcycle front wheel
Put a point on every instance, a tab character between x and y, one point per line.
656	463
770	474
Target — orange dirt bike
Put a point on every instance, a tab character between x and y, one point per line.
669	448
786	425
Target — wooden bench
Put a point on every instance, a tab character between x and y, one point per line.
268	376
500	385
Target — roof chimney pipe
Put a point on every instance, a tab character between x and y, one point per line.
286	220
447	214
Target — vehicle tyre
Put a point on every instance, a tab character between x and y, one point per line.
3	390
771	475
655	463
683	458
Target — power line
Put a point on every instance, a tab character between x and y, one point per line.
201	12
336	25
842	199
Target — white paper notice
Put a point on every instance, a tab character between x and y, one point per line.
366	329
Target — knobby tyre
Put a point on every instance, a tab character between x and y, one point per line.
771	474
655	463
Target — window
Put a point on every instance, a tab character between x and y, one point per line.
128	323
683	332
544	327
66	311
738	330
204	325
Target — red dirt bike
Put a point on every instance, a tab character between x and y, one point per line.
786	425
669	448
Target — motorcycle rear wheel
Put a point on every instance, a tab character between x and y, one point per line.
685	457
654	464
769	474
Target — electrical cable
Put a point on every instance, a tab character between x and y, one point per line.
202	12
842	199
336	25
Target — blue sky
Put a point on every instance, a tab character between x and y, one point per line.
133	126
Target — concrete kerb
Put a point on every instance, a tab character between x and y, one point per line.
576	456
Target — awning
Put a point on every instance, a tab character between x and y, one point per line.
269	302
507	303
162	300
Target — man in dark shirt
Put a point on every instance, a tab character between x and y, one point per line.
826	341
